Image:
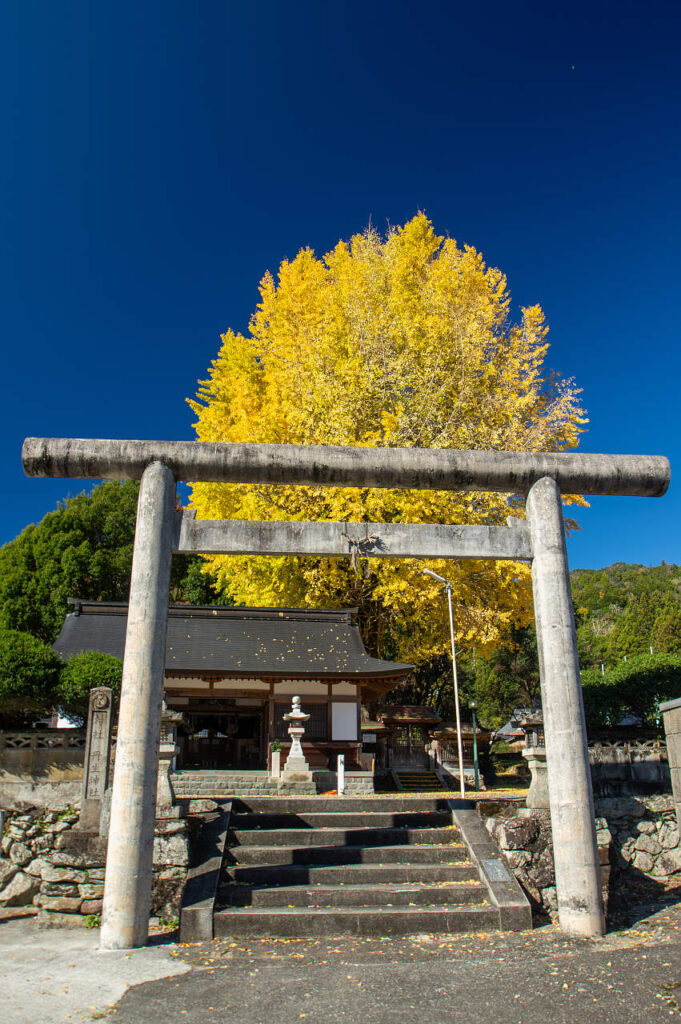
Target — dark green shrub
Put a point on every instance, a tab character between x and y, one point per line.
29	676
81	673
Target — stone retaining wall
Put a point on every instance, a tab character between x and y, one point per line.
47	861
259	783
38	793
645	835
634	834
525	840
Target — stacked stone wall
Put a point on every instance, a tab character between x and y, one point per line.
637	836
525	840
259	783
645	836
47	862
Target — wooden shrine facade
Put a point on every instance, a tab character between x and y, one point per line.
231	673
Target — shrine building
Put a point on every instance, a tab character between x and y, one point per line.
231	673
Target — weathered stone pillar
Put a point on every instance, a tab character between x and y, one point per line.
97	752
578	883
671	715
127	887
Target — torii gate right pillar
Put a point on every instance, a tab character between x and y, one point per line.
578	882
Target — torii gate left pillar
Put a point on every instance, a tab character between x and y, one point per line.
129	859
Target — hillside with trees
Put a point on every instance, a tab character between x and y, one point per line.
625	610
628	621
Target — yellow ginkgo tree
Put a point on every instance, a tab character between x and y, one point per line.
398	341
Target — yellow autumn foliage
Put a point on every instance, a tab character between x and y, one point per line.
398	341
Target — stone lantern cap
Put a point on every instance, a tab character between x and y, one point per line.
295	716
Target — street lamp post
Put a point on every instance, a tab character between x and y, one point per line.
473	706
448	587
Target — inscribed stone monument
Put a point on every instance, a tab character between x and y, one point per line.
97	752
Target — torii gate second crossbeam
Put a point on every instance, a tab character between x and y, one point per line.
160	530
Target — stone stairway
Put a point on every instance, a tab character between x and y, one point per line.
424	781
325	867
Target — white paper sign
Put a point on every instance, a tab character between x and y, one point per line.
343	721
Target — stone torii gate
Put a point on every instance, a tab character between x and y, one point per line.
161	530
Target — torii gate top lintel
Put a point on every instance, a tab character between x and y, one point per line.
340	466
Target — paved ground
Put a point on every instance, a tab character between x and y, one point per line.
630	977
519	979
56	975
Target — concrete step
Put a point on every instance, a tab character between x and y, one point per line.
347	804
341	837
341	819
313	921
379	896
416	776
349	874
421	782
445	853
424	781
433	787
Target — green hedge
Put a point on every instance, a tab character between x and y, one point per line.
81	673
637	685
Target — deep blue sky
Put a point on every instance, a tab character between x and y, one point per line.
160	156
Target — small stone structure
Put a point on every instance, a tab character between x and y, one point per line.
48	862
538	793
97	755
166	805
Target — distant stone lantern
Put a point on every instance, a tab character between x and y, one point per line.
296	767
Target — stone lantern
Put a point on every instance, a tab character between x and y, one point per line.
296	768
531	721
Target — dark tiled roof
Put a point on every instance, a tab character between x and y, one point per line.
236	641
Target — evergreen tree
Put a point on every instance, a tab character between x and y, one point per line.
29	676
82	549
633	631
666	634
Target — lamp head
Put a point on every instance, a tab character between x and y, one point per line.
434	575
